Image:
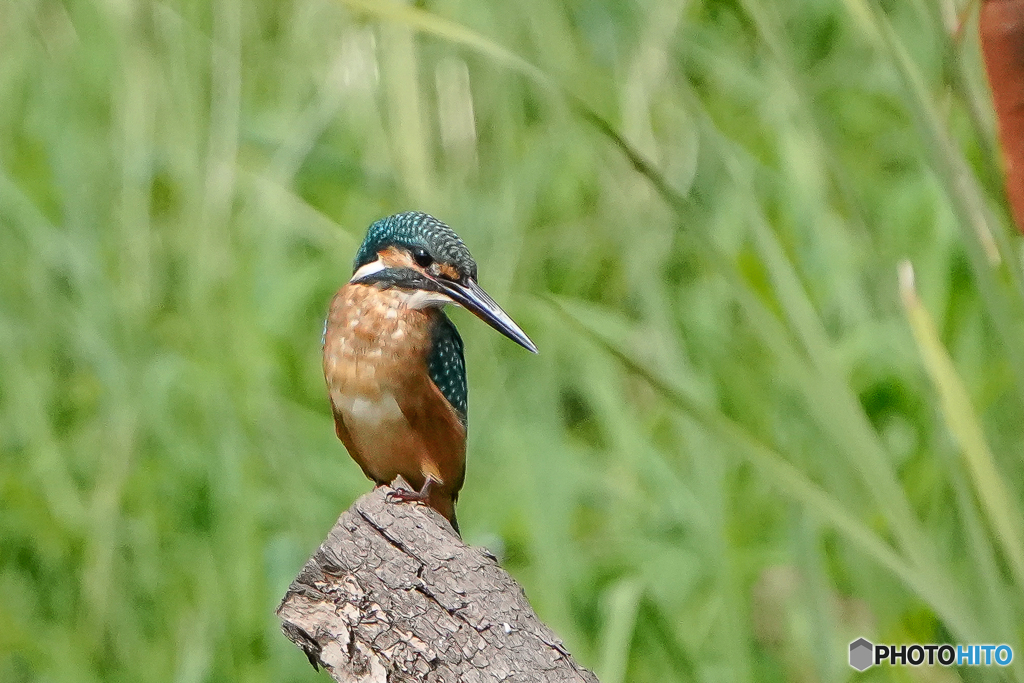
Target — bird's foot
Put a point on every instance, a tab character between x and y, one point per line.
404	495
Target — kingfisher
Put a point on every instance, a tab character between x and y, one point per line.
394	363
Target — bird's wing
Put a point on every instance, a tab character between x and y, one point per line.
446	365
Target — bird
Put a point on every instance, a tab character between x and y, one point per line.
394	363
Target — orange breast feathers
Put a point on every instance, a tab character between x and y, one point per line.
389	414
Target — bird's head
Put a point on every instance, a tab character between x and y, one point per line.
416	252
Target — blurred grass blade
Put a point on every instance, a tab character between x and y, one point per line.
450	31
665	630
453	32
947	162
847	422
993	255
980	545
790	481
993	494
620	605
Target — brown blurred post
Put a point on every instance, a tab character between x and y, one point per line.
1001	27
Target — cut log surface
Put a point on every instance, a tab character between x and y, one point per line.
394	594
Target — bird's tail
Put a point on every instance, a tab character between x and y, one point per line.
455	524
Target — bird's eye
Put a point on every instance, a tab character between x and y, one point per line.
422	257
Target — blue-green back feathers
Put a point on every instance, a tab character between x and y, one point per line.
447	365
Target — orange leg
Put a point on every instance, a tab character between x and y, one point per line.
407	496
433	495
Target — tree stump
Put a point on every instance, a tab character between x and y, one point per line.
393	594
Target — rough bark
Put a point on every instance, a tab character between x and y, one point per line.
394	594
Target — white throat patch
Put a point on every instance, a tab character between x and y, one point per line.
423	299
369	269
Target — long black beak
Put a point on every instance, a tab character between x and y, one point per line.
472	297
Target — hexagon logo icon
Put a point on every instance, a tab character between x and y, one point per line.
861	651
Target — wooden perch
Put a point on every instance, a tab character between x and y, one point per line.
394	594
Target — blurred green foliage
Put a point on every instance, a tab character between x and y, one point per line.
731	456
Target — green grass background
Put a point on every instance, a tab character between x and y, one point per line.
742	445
